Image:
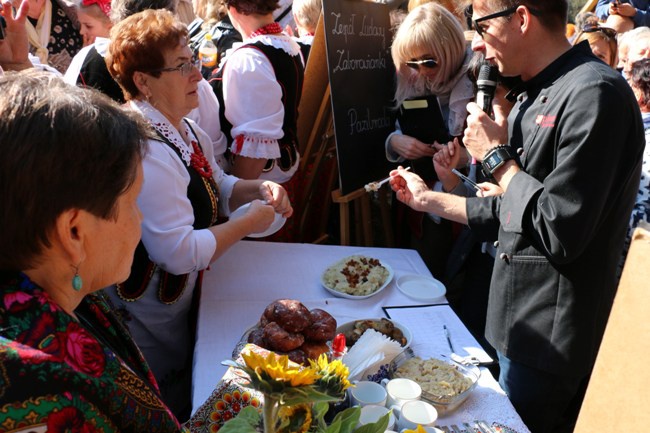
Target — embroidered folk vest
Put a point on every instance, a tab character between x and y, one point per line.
203	193
289	73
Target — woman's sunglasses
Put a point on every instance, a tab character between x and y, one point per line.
607	31
427	63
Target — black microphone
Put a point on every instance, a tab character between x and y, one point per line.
487	85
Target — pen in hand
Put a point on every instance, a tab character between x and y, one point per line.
466	179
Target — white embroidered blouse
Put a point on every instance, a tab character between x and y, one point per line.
167	232
253	100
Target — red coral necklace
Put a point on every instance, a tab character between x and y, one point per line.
269	29
199	162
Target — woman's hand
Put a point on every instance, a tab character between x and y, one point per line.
261	216
613	8
410	148
623	9
444	160
488	189
410	188
276	196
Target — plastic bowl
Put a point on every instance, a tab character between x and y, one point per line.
444	404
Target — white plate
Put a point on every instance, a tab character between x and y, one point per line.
421	288
276	225
348	296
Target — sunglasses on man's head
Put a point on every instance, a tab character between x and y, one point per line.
607	31
427	63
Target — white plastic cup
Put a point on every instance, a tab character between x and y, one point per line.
415	412
401	390
372	412
365	393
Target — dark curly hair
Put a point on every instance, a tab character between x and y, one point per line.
640	80
250	7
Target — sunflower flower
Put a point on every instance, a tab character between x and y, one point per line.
333	378
294	419
297	398
277	368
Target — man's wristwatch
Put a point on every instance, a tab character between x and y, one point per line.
496	157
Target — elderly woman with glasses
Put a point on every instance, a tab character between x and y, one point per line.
602	41
183	194
432	60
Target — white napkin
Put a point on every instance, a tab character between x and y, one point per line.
369	353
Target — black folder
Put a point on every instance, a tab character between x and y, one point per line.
422	118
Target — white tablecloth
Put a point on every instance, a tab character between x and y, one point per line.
252	274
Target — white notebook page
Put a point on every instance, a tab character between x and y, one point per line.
427	322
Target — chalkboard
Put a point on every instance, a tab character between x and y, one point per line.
361	76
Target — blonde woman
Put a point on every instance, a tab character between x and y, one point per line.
431	58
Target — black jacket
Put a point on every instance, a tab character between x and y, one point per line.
561	224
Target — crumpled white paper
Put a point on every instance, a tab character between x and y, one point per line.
369	353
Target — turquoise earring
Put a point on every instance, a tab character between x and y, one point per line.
76	280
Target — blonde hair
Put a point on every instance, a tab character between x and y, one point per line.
306	13
433	28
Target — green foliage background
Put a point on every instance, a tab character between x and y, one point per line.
574	8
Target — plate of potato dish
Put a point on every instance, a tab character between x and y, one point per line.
357	277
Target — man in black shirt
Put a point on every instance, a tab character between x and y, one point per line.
568	159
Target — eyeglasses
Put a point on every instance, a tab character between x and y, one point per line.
427	63
606	31
184	68
504	13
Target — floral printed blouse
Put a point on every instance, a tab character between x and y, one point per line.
62	375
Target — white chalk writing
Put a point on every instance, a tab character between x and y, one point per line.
371	30
343	29
345	63
364	122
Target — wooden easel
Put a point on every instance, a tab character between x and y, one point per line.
318	163
317	142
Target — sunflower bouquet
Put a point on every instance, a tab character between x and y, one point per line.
296	398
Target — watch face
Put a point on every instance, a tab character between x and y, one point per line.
492	160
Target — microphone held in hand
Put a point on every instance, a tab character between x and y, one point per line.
487	85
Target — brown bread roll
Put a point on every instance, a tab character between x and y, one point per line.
279	339
322	328
290	314
313	349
